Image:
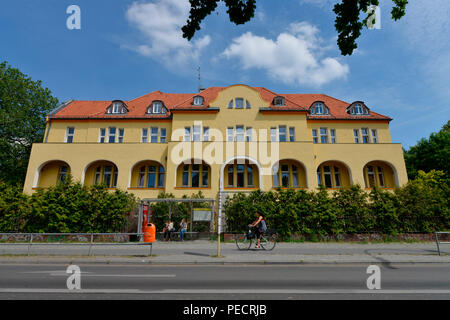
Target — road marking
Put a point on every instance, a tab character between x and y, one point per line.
224	291
60	273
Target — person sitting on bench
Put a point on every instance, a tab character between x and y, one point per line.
168	229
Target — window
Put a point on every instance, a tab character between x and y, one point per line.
273	134
205	133
319	177
278	101
205	176
337	177
144	135
157	107
102	137
323	135
282	133
239	103
163	137
239	133
121	133
358	109
314	136
319	109
248	134
107	175
112	135
69	134
285	175
230	176
117	107
356	135
151	177
291	134
161	177
327	177
333	135
185	175
187	134
154	134
195	175
249	176
380	177
371	176
240	175
247	104
198	101
62	175
365	135
97	175
141	179
230	105
196	133
230	134
294	176
374	136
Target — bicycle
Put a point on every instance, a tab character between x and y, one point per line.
268	240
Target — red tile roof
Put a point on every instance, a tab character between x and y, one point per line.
184	101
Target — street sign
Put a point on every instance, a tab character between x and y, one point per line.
201	214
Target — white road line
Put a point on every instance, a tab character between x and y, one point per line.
60	273
223	291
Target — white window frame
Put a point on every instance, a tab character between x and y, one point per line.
236	105
121	134
282	136
365	135
196	133
198	101
102	135
163	135
356	136
374	135
117	107
206	134
230	134
291	134
273	134
154	135
154	107
333	135
112	135
249	134
323	135
315	137
68	134
240	133
144	137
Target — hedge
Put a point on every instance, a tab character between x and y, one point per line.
421	206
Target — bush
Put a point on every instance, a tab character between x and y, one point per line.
13	208
421	206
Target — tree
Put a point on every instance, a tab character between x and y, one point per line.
430	154
24	104
348	23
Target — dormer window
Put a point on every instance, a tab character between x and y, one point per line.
319	108
198	101
117	107
156	108
358	109
279	101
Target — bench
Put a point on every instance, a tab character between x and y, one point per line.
175	235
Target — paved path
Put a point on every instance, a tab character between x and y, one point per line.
203	252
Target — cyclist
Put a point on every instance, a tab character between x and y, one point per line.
261	227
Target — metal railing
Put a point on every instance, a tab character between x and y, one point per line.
90	243
438	242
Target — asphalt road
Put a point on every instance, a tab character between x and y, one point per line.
188	282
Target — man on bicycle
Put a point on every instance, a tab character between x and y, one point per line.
261	227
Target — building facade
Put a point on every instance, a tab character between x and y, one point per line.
237	138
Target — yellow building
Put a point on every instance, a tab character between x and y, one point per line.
238	138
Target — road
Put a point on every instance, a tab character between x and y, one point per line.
190	282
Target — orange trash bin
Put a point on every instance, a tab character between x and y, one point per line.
150	233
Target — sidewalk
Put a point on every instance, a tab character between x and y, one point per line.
204	252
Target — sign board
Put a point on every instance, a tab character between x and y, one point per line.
202	214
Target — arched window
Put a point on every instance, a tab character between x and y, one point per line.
289	174
379	174
194	175
198	101
279	101
319	108
117	107
106	174
358	109
333	174
157	107
241	175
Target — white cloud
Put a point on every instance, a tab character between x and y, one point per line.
293	58
160	23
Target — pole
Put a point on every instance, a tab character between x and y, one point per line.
219	219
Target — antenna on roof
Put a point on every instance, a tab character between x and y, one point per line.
199	81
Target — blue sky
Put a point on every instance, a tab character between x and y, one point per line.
128	48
